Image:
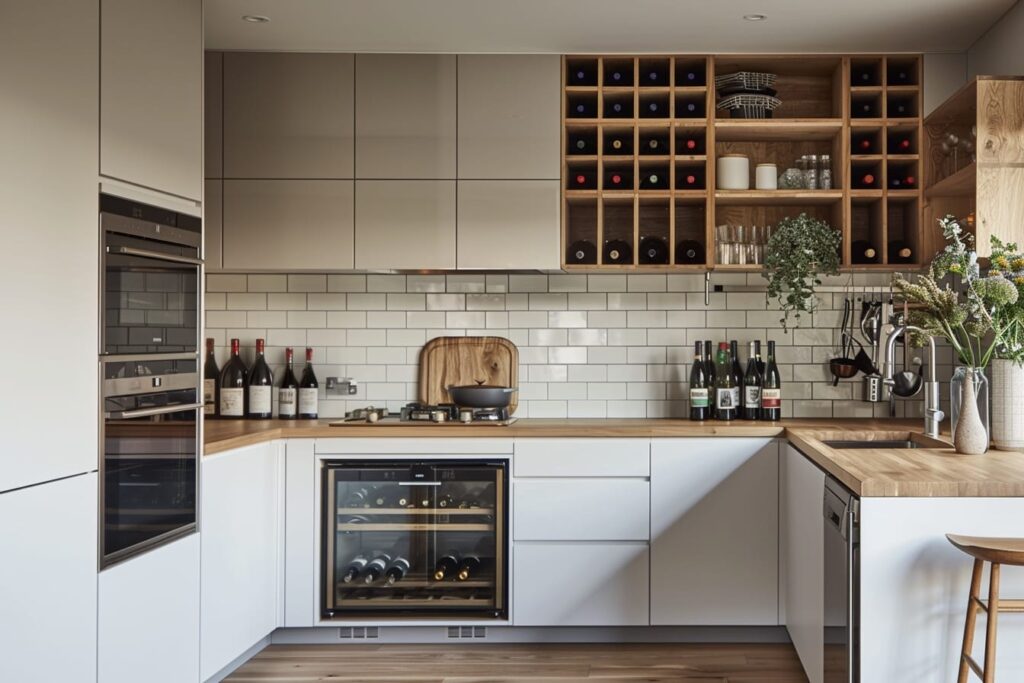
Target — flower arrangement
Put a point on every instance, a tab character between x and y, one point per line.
987	317
798	252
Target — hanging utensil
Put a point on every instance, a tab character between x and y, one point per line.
842	366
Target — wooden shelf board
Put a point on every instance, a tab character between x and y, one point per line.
777	129
903	157
580	158
903	88
904	195
691	196
776	197
585	122
691	89
691	157
581	88
865	88
618	158
618	195
867	123
738	268
630	268
865	194
690	123
865	157
963	183
655	158
618	89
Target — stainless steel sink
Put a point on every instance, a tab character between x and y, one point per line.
857	443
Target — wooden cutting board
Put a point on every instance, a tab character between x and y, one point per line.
456	361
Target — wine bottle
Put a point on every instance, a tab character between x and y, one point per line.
583	109
376	567
653	145
582	179
287	394
618	75
771	389
689	179
689	77
752	382
469	567
446	567
900	108
618	109
737	378
260	382
211	377
862	251
689	251
709	369
654	75
699	409
899	181
384	497
688	109
863	143
583	74
582	143
354	569
582	251
653	250
617	252
616	144
233	384
653	109
654	180
725	394
865	109
618	179
360	498
865	181
863	76
445	500
689	145
309	390
899	75
900	144
900	252
396	571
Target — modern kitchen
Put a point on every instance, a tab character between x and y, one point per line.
452	341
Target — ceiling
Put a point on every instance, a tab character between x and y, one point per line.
568	26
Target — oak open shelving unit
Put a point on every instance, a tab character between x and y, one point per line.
814	118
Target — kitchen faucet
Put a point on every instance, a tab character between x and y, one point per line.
932	414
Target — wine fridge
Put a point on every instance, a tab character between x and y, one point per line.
414	539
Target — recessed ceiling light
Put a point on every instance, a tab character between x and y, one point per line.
755	17
255	18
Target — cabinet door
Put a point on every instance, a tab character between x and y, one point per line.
241	551
802	484
213	224
714	531
288	115
582	510
405	224
509	117
508	224
151	94
580	584
213	109
405	116
288	224
48	581
149	616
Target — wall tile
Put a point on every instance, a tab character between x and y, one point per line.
606	283
346	283
446	302
268	283
385	283
286	302
325	302
226	282
247	302
307	283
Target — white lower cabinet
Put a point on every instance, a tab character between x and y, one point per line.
580	584
714	532
241	582
581	510
48	582
149	616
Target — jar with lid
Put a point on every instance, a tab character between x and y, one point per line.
825	172
811	171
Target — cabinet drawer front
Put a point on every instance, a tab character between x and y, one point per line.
580	584
582	510
583	458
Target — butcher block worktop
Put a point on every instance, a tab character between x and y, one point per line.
932	470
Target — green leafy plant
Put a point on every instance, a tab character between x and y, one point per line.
1008	262
798	253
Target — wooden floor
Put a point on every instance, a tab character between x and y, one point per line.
656	663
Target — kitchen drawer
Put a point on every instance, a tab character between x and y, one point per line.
583	458
582	510
580	584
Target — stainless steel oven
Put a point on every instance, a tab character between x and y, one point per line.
842	584
150	265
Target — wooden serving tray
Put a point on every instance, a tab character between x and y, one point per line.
456	361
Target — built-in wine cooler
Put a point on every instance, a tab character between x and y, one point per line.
415	539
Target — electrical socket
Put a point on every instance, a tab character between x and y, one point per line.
342	386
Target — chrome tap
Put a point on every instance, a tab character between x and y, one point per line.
933	416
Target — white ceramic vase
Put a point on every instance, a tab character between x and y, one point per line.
1007	405
970	437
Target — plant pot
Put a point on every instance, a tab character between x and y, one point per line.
1007	405
980	393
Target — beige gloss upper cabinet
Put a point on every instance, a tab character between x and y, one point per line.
213	228
405	224
508	224
405	116
213	142
288	115
151	94
509	117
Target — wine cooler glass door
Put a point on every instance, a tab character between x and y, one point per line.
424	539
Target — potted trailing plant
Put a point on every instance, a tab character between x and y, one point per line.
1008	363
799	251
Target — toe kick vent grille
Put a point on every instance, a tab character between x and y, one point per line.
467	631
359	633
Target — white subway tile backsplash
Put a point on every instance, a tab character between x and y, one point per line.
367	301
646	283
387	319
591	409
496	320
407	302
606	319
425	283
623	302
385	283
286	302
360	337
466	283
606	390
567	390
627	373
567	354
588	373
527	283
226	282
387	355
266	319
548	373
627	337
590	301
646	318
268	283
646	354
326	302
425	319
307	319
485	302
567	283
466	319
346	319
307	283
446	302
546	337
606	283
548	409
225	319
215	301
548	302
238	301
588	337
293	338
346	283
567	319
496	283
327	337
606	354
399	337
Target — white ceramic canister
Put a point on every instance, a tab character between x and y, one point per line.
733	172
766	177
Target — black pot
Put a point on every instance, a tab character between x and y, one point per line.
481	396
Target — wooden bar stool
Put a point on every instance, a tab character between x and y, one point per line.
997	551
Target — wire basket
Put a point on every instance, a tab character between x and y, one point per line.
750	106
752	81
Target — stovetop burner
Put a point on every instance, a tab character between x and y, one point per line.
432	414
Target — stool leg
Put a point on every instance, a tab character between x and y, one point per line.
993	618
971	621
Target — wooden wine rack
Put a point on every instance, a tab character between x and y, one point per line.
815	118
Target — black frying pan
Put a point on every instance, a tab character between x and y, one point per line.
481	396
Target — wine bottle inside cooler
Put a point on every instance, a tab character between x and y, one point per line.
901	143
690	251
233	378
447	566
699	404
901	180
618	179
653	250
354	569
288	392
211	378
862	251
582	251
617	252
376	567
309	390
771	389
261	381
396	571
469	567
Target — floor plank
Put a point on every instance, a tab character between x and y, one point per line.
522	663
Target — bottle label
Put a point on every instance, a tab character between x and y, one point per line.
232	402
726	399
736	400
771	398
259	399
308	399
209	396
752	397
286	402
699	398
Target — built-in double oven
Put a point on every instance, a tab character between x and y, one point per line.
150	307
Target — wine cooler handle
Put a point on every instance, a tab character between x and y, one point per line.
419	483
149	412
160	256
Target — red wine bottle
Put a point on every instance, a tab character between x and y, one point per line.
699	388
689	179
689	251
288	393
771	389
865	181
653	250
709	368
582	251
260	382
900	144
737	378
211	378
582	179
617	252
752	382
309	390
233	378
618	179
901	182
863	143
689	145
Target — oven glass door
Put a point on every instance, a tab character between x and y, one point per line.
150	298
151	447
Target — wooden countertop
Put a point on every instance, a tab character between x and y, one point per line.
932	470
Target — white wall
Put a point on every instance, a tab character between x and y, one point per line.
1000	52
944	74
